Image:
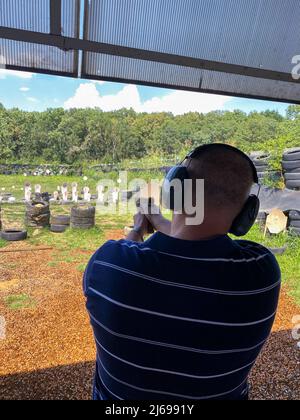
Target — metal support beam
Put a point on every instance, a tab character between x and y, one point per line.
66	43
55	17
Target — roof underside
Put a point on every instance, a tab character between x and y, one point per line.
234	47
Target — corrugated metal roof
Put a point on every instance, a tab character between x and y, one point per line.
34	15
250	86
120	69
256	33
235	47
106	66
38	58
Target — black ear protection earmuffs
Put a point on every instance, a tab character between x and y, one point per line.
247	217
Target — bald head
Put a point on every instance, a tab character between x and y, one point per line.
228	179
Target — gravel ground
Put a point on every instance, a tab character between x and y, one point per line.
49	349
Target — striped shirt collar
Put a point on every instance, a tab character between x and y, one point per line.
219	246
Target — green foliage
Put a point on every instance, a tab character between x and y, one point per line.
3	243
289	262
19	302
85	135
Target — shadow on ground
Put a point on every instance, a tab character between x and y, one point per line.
61	383
275	376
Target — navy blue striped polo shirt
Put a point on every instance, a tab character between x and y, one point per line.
179	320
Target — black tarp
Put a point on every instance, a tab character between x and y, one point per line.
284	200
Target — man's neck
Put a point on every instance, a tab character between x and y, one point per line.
207	231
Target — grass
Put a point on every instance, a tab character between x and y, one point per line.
289	262
71	240
3	243
14	184
19	302
67	244
81	267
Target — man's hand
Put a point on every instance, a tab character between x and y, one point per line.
157	220
141	228
141	223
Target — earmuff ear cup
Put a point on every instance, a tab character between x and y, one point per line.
174	179
246	219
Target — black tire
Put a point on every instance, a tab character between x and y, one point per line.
60	220
295	224
292	176
261	217
42	220
260	169
292	165
58	228
37	208
294	215
292	171
83	212
292	154
14	235
82	220
278	251
295	231
82	226
260	164
292	184
259	155
262	175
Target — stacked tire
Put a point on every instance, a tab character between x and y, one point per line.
294	222
83	217
261	217
59	224
261	163
291	168
37	214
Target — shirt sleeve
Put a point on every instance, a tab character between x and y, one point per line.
89	269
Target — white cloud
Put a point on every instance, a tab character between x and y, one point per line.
87	96
24	89
181	102
20	74
177	102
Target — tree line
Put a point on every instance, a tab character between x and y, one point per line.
85	135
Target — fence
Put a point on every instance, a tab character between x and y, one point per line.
20	169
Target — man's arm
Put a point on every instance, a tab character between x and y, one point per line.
140	229
146	221
136	235
160	223
157	220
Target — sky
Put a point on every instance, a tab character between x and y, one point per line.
37	92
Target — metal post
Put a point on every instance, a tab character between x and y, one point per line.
55	17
